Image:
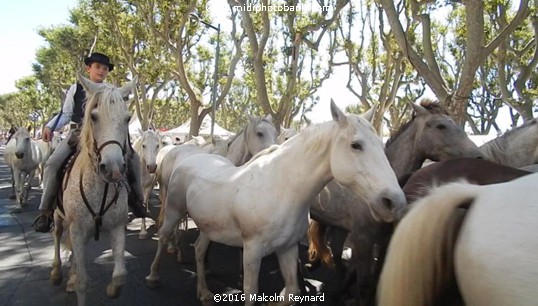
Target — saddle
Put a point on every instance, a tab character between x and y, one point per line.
65	170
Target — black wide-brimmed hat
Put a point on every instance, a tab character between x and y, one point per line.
99	58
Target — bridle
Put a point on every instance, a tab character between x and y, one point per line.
98	217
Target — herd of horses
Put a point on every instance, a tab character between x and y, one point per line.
418	236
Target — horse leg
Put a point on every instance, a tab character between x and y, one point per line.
79	237
56	273
252	259
143	235
72	277
12	196
362	265
118	252
30	178
180	229
17	185
200	250
170	220
287	260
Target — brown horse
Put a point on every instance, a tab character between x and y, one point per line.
474	171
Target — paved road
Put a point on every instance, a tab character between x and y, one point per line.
26	256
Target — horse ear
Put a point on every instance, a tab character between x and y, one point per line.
89	86
251	118
269	118
418	109
369	115
337	114
128	88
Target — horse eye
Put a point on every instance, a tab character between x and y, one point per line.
259	134
356	146
93	116
144	146
441	126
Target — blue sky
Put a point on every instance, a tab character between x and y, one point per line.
19	21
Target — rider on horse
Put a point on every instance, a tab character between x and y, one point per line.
98	66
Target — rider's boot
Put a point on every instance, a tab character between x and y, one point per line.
43	222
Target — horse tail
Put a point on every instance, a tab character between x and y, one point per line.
317	246
162	198
66	242
419	264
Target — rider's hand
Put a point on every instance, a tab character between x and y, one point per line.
47	134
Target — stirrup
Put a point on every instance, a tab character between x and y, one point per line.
43	226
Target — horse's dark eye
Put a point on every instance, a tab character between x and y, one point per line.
143	146
441	126
356	146
93	116
259	134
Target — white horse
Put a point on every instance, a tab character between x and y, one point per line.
286	134
263	205
484	235
515	148
23	157
95	192
46	150
258	134
147	147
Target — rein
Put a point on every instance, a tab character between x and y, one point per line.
98	217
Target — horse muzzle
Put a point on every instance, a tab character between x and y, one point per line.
152	168
389	206
112	172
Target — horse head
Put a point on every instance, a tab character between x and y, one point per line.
104	134
438	136
23	143
150	145
285	134
359	163
260	133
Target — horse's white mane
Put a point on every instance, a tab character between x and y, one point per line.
317	135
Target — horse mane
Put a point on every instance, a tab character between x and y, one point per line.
106	92
20	131
433	106
495	149
263	152
317	133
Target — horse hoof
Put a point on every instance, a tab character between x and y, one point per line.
152	283
206	297
70	288
56	280
170	250
113	291
143	236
